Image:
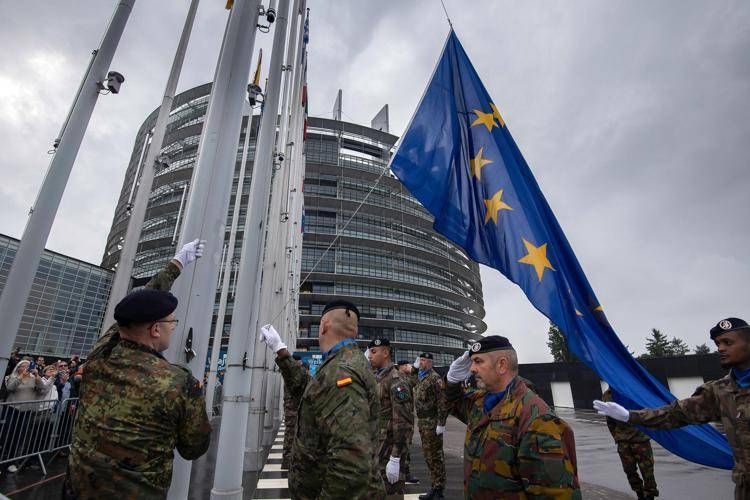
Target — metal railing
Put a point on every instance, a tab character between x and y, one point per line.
38	429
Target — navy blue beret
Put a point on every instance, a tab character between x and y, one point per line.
426	355
341	304
727	325
143	306
489	344
379	343
404	362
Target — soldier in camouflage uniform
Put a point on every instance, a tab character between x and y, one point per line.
516	447
396	416
410	377
726	400
135	407
334	454
290	416
634	448
432	411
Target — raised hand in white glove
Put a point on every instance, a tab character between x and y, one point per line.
439	429
612	409
392	469
190	252
416	363
367	354
270	336
460	369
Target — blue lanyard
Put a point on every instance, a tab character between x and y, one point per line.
337	347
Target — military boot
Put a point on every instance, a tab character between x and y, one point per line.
433	494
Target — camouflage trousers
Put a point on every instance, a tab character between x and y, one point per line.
636	456
432	448
395	490
406	456
741	485
290	424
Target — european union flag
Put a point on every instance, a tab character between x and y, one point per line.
458	158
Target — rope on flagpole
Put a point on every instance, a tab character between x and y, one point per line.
446	14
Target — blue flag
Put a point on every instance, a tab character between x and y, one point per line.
459	160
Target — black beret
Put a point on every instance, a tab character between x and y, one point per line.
489	344
144	305
379	343
426	355
297	357
727	325
341	304
404	362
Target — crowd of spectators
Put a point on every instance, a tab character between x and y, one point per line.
37	405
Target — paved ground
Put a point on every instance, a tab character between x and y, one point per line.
598	466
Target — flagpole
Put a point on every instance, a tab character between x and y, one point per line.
243	336
208	204
123	274
42	213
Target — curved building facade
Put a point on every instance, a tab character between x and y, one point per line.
411	285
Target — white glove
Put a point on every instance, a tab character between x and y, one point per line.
367	354
190	252
612	409
439	429
460	369
270	336
392	469
416	363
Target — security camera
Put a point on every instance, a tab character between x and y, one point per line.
114	80
253	91
270	15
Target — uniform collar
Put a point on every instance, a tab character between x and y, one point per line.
424	373
337	347
130	344
741	378
380	372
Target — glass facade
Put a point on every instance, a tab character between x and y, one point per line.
410	284
64	312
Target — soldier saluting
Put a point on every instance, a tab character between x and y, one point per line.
726	400
334	454
136	407
516	447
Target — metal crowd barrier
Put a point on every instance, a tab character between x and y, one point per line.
38	429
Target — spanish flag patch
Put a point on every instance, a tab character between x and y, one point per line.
342	382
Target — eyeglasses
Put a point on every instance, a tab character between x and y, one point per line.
175	321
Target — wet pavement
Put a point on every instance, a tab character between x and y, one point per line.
599	470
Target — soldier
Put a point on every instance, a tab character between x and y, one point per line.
410	377
135	407
396	415
432	412
516	447
334	454
290	414
726	400
634	448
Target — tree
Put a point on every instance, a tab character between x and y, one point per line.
702	349
558	347
658	346
678	347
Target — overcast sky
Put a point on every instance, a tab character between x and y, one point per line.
633	115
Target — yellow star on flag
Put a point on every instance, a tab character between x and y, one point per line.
477	163
493	206
496	114
578	313
537	257
599	308
486	119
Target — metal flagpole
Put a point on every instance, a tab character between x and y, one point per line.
219	328
274	255
243	337
121	283
42	214
208	202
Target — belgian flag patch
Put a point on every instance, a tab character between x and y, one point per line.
343	382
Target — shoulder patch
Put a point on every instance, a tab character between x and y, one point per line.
343	382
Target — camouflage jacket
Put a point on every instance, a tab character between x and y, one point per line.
291	403
135	409
719	400
622	432
396	411
429	398
334	454
519	450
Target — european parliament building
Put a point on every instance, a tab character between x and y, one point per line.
411	284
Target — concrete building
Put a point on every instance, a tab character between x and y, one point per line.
64	312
